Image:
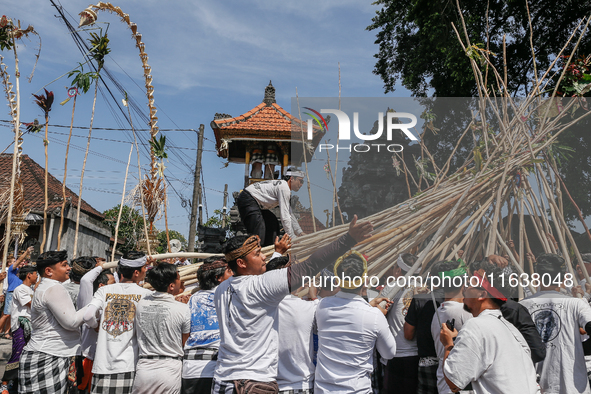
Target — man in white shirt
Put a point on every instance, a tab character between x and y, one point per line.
89	284
116	351
489	352
267	195
558	318
20	320
349	328
451	309
162	325
296	326
401	372
247	306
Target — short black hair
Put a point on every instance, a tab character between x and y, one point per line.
86	262
50	258
26	270
161	276
125	271
208	279
232	244
550	263
483	264
277	263
351	266
447	285
102	279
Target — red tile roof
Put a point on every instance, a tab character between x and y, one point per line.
266	122
33	179
305	223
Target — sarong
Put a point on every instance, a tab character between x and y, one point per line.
18	344
41	373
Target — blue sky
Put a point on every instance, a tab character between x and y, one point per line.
206	57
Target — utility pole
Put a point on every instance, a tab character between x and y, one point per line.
196	191
225	208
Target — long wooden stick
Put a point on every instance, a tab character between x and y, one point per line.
122	203
63	211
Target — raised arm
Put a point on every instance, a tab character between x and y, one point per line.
86	286
60	304
328	254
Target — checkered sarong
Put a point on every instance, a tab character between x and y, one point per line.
427	380
116	383
201	354
297	391
41	373
257	158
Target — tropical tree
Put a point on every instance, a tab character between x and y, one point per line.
419	49
131	226
172	234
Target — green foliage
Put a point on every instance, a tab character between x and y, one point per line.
215	221
82	80
158	146
163	247
6	28
100	48
419	48
131	227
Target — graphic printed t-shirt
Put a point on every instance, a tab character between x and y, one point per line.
117	349
21	296
160	322
558	318
205	334
395	317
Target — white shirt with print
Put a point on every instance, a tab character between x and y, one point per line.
558	318
117	349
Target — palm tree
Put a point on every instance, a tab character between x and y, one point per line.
99	50
45	102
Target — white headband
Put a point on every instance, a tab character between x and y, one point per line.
402	264
134	263
295	173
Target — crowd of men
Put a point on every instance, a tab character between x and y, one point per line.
250	327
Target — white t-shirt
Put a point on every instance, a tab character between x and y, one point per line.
558	318
160	322
395	317
348	330
21	296
55	324
205	334
246	308
492	354
295	370
272	193
448	310
116	349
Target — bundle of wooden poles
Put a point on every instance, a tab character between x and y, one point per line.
510	165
